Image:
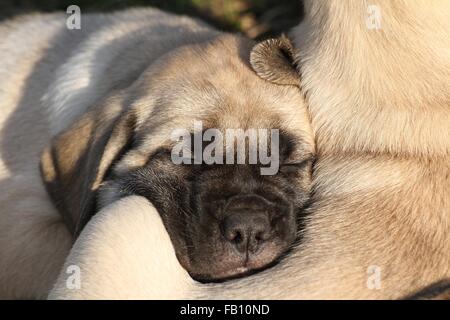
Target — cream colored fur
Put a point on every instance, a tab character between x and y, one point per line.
379	101
121	267
49	75
378	90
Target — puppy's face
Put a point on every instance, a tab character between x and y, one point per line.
224	220
225	217
224	156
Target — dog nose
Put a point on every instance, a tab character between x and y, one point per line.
246	231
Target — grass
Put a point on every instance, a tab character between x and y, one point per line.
254	18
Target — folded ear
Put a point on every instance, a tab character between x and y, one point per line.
76	162
273	60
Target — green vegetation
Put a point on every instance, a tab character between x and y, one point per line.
255	18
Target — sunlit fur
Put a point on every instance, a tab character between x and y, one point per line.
379	101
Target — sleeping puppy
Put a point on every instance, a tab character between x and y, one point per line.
226	218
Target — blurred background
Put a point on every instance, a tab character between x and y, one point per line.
254	18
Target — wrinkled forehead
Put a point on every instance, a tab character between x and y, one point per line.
249	106
236	98
221	92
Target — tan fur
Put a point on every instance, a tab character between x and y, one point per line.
379	101
386	89
33	239
133	110
222	94
99	278
44	68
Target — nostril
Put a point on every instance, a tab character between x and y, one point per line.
231	231
235	236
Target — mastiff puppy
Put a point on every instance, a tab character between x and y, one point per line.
376	79
141	103
225	217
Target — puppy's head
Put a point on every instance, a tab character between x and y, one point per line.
224	155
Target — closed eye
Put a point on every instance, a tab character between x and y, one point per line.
292	167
